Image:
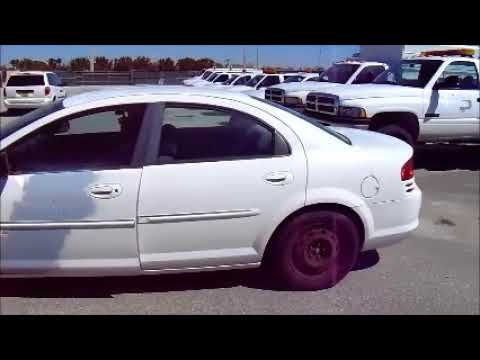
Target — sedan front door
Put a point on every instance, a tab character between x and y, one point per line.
69	202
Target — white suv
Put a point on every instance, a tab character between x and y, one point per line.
33	89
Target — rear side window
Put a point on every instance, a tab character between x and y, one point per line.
53	79
368	74
203	133
221	78
26	80
269	81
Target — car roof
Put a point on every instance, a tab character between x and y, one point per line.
31	73
132	91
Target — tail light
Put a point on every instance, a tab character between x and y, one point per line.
408	170
47	90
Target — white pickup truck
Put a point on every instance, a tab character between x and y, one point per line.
340	73
426	99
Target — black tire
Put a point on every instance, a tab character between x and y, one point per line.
399	133
313	251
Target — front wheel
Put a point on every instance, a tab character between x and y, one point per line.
399	133
313	251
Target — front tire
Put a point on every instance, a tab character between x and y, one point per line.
399	133
313	251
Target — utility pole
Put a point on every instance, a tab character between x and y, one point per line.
244	59
92	61
257	57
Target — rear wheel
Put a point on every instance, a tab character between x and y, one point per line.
313	251
399	133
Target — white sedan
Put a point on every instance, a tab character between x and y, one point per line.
175	179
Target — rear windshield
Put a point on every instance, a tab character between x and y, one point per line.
25	80
13	125
312	121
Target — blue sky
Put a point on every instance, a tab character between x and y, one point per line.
275	55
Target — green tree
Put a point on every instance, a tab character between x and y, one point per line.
166	64
186	64
142	63
80	64
204	63
125	63
102	64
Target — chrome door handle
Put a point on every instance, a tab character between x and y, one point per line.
279	178
105	191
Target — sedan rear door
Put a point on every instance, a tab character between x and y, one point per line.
220	174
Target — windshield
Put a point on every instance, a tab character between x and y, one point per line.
255	80
294	78
7	128
231	80
415	73
25	80
206	74
312	121
213	76
339	73
315	78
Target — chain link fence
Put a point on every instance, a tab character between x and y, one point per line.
124	77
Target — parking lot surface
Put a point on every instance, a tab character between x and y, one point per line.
435	271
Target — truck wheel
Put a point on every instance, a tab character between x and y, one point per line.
398	132
313	251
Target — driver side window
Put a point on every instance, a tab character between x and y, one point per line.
96	139
459	75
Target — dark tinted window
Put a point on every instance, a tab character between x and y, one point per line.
53	80
196	133
294	78
339	73
243	80
255	80
315	78
415	73
221	78
368	74
461	75
98	139
206	74
26	80
269	81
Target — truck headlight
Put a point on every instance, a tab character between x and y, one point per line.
351	111
291	100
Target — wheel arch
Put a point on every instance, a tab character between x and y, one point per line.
408	120
359	218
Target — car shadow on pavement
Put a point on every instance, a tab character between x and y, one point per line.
441	157
107	287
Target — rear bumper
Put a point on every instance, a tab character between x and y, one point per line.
394	220
27	103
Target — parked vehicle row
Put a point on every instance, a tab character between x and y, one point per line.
426	99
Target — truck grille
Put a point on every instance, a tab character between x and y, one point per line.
273	94
322	103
